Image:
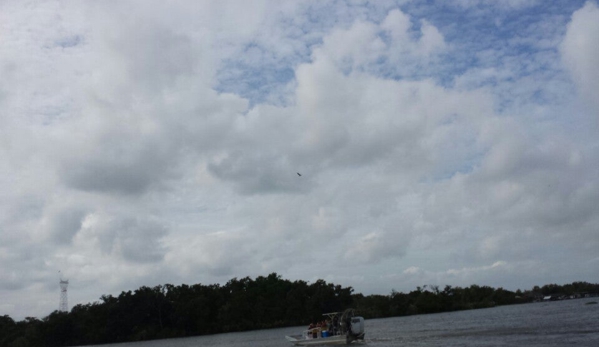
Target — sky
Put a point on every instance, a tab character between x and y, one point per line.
438	142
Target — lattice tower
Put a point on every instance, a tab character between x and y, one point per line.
64	301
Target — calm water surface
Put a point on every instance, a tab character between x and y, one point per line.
562	323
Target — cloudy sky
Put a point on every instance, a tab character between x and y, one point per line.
439	142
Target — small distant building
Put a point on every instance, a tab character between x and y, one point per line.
555	297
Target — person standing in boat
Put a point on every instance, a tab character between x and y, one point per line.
335	325
347	323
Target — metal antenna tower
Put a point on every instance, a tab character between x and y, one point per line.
64	301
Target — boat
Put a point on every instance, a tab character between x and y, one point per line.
341	328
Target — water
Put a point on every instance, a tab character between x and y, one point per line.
562	323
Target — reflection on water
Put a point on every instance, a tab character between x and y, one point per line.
559	323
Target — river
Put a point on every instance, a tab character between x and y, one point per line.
558	323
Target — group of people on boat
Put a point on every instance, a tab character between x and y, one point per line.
332	327
323	325
337	328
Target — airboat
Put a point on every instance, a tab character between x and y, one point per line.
341	328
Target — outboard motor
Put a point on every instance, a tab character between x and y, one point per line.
353	326
357	326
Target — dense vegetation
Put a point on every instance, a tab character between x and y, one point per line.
243	304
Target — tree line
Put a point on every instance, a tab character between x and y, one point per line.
168	311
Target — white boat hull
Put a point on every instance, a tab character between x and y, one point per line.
331	340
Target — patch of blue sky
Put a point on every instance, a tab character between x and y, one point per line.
259	75
462	161
491	36
514	41
464	167
515	45
257	84
460	156
342	14
69	41
489	26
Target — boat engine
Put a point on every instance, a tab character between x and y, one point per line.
352	326
357	326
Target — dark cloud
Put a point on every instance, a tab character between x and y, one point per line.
131	238
260	173
131	175
65	224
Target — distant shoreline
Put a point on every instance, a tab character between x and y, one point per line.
168	311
